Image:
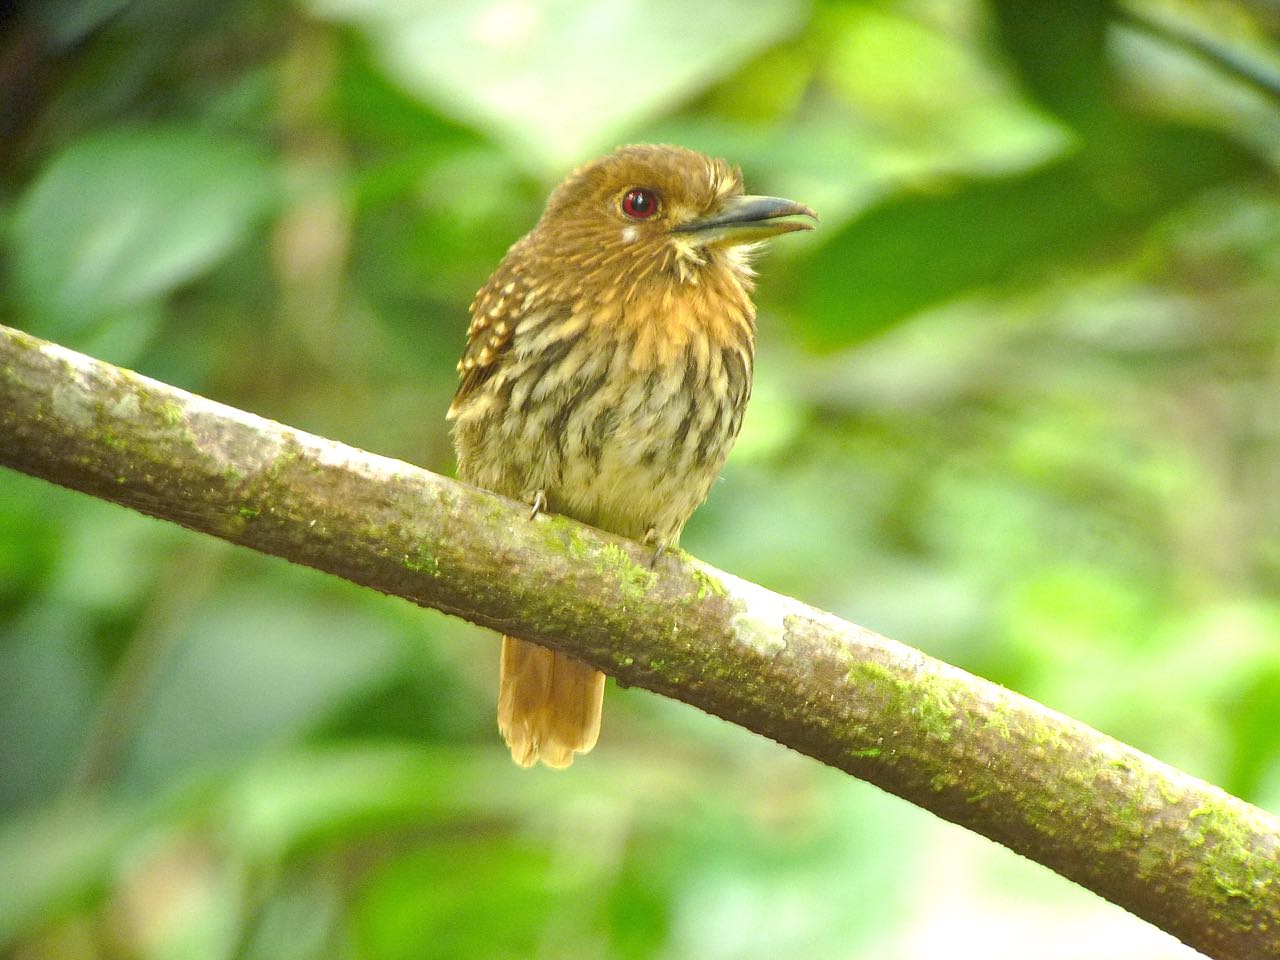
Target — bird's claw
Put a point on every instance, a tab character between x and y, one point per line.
539	503
658	542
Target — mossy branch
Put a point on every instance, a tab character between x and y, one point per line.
1179	852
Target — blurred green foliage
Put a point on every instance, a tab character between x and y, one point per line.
1017	405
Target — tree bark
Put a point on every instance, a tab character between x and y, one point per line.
1172	849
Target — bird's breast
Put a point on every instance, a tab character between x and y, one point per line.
622	425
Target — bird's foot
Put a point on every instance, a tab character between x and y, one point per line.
538	503
652	538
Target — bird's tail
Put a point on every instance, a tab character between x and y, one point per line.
548	704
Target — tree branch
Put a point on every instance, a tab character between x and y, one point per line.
1179	852
1231	62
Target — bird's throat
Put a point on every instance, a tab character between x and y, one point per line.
668	319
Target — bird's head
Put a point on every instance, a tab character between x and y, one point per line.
659	212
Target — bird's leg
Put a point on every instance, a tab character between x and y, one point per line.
538	502
652	538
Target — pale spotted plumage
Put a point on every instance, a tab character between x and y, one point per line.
608	364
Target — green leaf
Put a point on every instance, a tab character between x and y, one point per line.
914	251
1059	52
46	691
461	897
67	22
253	671
559	81
56	856
117	220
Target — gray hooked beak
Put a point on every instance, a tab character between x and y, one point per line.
747	219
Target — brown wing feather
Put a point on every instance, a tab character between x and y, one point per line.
495	314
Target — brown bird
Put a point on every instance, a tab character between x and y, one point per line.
607	367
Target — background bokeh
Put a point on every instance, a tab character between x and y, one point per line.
1018	404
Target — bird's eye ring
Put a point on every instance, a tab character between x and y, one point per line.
640	203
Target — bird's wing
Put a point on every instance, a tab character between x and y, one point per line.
495	314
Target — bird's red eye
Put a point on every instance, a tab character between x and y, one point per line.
639	203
